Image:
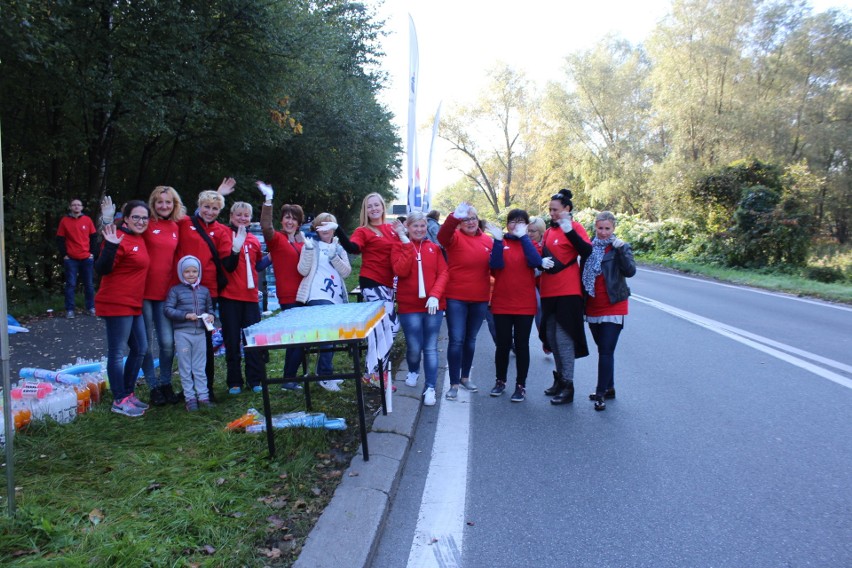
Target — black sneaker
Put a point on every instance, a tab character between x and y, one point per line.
599	403
498	389
158	397
520	394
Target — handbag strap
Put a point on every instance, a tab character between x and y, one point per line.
213	251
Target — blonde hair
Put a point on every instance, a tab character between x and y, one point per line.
415	216
237	205
323	218
538	223
362	217
178	211
210	196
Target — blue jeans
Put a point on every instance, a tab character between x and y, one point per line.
81	269
156	320
606	338
463	322
123	332
421	336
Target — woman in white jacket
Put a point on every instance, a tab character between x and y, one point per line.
324	264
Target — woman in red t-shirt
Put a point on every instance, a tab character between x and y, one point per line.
604	283
374	240
514	259
123	265
562	330
238	303
285	249
161	239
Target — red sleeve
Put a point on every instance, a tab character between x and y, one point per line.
447	232
401	258
440	284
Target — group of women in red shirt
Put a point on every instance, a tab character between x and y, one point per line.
554	267
429	281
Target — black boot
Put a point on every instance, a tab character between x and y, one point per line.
157	397
170	395
599	403
558	384
566	395
609	394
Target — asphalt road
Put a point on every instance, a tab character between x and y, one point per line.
730	444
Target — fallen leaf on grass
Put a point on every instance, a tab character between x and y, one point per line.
300	504
316	491
207	549
220	481
333	474
283	476
236	514
276	522
18	553
270	552
154	487
96	516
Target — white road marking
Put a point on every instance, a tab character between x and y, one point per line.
747	288
764	344
440	523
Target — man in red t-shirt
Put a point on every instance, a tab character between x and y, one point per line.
77	240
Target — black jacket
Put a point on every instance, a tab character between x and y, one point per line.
617	266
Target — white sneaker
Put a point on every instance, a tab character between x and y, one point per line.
411	380
429	397
332	385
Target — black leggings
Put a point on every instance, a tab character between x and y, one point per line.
511	327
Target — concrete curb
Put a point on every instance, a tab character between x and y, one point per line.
349	528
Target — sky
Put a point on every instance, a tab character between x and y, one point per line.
459	40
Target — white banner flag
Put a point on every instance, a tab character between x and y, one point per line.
415	201
427	189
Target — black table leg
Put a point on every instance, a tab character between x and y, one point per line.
359	393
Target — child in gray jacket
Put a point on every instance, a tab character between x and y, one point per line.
189	306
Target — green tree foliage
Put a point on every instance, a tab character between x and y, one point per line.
603	115
768	222
488	136
117	97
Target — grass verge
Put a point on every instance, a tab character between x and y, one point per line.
788	283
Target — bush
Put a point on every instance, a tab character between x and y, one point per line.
824	274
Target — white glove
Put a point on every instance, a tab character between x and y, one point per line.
495	231
239	239
462	210
432	305
617	243
309	243
547	263
299	237
565	222
327	226
266	190
107	210
520	230
401	231
335	243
